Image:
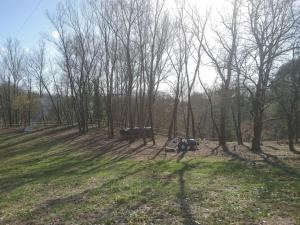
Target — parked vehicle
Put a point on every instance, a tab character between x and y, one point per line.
182	144
137	132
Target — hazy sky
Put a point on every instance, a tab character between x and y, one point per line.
26	20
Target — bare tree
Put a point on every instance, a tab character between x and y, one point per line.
286	87
79	47
158	44
176	60
272	25
223	60
104	13
13	60
37	64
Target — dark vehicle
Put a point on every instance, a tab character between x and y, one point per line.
183	144
137	132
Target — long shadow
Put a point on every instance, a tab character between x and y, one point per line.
116	149
8	134
80	197
185	209
276	162
29	137
160	151
130	152
296	152
9	183
181	156
109	148
101	144
183	200
234	155
40	144
214	151
269	159
94	141
114	146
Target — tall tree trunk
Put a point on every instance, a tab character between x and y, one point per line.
172	126
191	117
238	119
223	114
237	126
257	127
9	99
297	128
291	133
222	137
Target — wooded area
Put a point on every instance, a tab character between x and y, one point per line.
127	63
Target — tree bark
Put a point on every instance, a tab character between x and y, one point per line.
291	134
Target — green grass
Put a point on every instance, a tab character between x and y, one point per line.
46	178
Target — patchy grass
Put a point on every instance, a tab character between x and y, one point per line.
54	176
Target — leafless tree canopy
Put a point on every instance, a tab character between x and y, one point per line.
138	63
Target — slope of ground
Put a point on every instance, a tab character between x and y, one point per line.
55	176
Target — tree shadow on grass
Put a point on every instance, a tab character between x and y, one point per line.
9	134
102	151
163	148
182	197
73	166
117	148
41	142
181	156
128	153
274	161
89	160
217	150
296	152
43	209
24	138
76	154
32	156
271	160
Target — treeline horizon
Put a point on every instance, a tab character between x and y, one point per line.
112	56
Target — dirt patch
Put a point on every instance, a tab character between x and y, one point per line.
118	147
278	221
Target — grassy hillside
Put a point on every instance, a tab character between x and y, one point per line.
54	176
